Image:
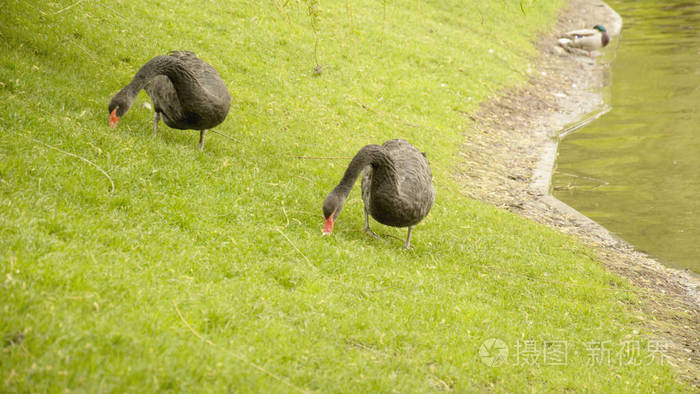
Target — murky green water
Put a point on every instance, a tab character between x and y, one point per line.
636	170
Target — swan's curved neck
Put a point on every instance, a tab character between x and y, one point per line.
182	78
369	155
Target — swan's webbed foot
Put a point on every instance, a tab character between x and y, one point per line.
367	229
370	232
201	139
407	244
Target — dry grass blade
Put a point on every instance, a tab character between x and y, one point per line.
224	135
67	8
238	356
295	247
76	156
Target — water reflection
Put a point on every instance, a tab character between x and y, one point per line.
637	169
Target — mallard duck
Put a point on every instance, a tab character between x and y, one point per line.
588	40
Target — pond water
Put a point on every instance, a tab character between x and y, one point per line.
636	170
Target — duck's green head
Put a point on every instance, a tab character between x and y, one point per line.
600	28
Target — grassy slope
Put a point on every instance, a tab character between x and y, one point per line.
230	238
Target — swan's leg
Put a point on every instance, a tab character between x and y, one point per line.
367	229
408	239
156	119
201	139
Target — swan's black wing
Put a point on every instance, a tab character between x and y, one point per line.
401	192
200	101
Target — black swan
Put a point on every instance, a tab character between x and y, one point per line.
186	92
397	186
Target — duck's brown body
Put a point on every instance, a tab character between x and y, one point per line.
589	40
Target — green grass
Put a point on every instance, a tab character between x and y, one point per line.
207	271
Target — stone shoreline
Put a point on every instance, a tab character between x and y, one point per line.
510	160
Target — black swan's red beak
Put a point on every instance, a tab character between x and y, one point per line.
328	225
113	119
